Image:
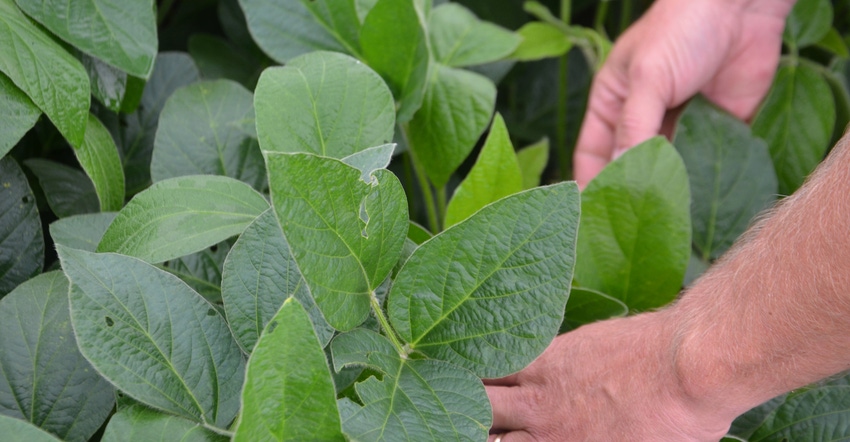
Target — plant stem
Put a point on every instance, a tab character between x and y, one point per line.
601	15
566	11
385	324
408	186
427	193
626	11
219	431
565	158
441	206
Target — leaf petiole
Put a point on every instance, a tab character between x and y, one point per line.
403	350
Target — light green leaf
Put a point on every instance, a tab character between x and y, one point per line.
635	237
24	430
218	58
259	274
288	28
541	40
54	80
21	239
179	216
335	106
135	137
730	172
489	293
117	91
395	45
345	242
153	337
81	232
495	175
459	38
139	423
119	32
371	159
456	110
99	158
208	128
18	114
421	400
201	270
586	306
818	414
532	162
808	22
43	377
418	234
68	190
289	392
796	120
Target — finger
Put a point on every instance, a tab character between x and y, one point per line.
596	137
513	436
671	118
510	411
642	115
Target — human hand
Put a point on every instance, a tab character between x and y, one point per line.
609	381
726	49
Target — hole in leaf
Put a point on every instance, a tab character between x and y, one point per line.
26	199
211	312
214	248
272	326
109	322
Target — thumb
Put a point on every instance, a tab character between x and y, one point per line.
641	117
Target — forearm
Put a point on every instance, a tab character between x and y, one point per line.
774	314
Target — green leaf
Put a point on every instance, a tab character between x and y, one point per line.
494	175
43	377
99	158
489	293
418	234
808	22
459	38
746	424
153	337
218	58
796	120
139	423
635	237
730	173
335	106
54	80
395	45
18	114
172	71
117	91
208	128
179	216
23	430
202	270
369	160
456	110
532	162
833	42
841	92
259	274
421	400
81	232
586	306
68	190
345	242
289	28
21	239
119	32
289	393
541	40
818	414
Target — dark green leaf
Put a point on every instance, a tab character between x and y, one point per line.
68	190
489	293
532	161
396	46
259	274
21	239
796	120
635	237
289	393
459	39
834	43
217	58
208	128
456	110
418	234
179	216
81	232
494	175
54	80
139	423
202	270
153	337
112	86
18	114
43	377
841	92
586	306
335	106
819	414
746	424
541	40
24	430
730	172
345	242
421	400
808	22
99	158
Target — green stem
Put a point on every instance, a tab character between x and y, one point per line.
385	324
219	431
626	12
441	206
408	186
162	12
565	158
601	15
566	11
427	193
